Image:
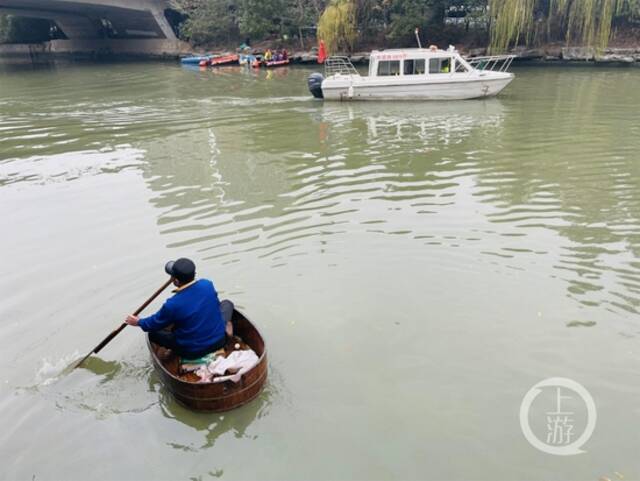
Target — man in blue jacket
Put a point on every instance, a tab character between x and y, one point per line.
199	319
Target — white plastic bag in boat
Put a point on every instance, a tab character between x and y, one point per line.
236	363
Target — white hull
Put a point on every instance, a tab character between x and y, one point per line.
390	88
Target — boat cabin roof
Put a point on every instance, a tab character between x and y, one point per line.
401	53
417	61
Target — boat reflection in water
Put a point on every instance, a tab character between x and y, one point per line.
210	425
276	73
433	122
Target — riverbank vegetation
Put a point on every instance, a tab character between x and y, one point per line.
578	22
346	25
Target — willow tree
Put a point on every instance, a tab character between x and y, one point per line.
586	22
337	26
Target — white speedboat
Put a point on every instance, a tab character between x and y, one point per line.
413	74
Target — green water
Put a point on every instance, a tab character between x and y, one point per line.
415	268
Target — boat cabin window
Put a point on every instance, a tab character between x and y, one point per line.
388	67
460	68
440	65
414	66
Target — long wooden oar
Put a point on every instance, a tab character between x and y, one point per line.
113	334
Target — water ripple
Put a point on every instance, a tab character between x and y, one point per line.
242	165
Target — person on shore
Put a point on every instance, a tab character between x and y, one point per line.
200	322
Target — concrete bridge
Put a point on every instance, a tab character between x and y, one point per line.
107	26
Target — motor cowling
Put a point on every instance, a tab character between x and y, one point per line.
315	84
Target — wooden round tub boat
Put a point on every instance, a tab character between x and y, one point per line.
210	396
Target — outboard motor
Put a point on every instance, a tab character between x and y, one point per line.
315	84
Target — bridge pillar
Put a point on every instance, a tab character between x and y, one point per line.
163	23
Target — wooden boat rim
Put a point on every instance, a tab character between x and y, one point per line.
259	380
262	357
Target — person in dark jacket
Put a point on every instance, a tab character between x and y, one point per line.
198	319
